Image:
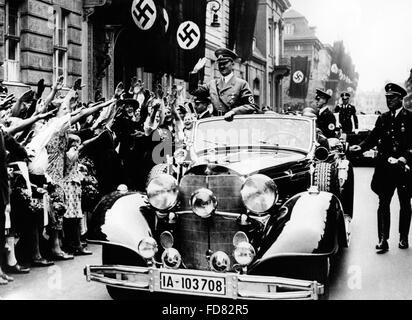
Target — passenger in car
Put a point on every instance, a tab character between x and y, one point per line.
229	95
320	137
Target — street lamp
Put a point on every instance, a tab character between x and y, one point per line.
215	22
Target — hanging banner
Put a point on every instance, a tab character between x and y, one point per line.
299	77
144	13
188	35
243	15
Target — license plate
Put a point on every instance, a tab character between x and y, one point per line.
193	284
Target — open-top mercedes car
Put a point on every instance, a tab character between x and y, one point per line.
250	209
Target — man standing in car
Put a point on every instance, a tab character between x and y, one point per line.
392	135
229	94
347	112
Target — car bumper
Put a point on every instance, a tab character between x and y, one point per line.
236	286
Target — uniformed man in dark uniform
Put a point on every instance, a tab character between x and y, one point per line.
392	135
347	112
326	121
203	106
229	94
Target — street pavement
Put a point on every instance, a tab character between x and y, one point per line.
357	274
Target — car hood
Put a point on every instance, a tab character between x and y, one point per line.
246	163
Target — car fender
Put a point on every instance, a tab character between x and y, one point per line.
313	227
125	223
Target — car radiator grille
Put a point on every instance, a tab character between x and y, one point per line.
196	235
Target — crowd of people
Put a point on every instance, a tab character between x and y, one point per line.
59	156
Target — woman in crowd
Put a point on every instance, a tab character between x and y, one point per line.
73	198
59	133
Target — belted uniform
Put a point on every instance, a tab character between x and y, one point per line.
326	122
392	135
235	95
346	112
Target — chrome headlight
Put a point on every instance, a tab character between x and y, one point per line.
220	261
259	193
147	247
171	258
203	202
244	253
162	192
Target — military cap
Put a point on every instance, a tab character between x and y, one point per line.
394	89
225	54
322	94
202	98
345	94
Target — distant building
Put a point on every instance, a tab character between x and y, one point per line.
369	102
300	40
268	53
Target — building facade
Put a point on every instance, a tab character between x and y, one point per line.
43	39
269	53
300	40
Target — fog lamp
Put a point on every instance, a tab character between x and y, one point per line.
244	253
166	240
162	192
219	261
147	247
203	202
240	237
259	193
171	258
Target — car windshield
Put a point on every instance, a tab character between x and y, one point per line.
283	133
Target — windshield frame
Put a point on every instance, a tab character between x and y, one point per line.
262	146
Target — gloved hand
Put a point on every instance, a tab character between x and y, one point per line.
229	116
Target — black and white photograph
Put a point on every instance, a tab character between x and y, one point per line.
200	156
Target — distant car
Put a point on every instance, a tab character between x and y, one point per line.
252	209
366	122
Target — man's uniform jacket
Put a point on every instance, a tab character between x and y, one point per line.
393	138
232	96
326	122
345	117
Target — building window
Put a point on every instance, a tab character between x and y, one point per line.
271	40
289	28
12	42
277	45
298	47
60	44
256	91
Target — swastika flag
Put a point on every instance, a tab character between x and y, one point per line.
299	77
